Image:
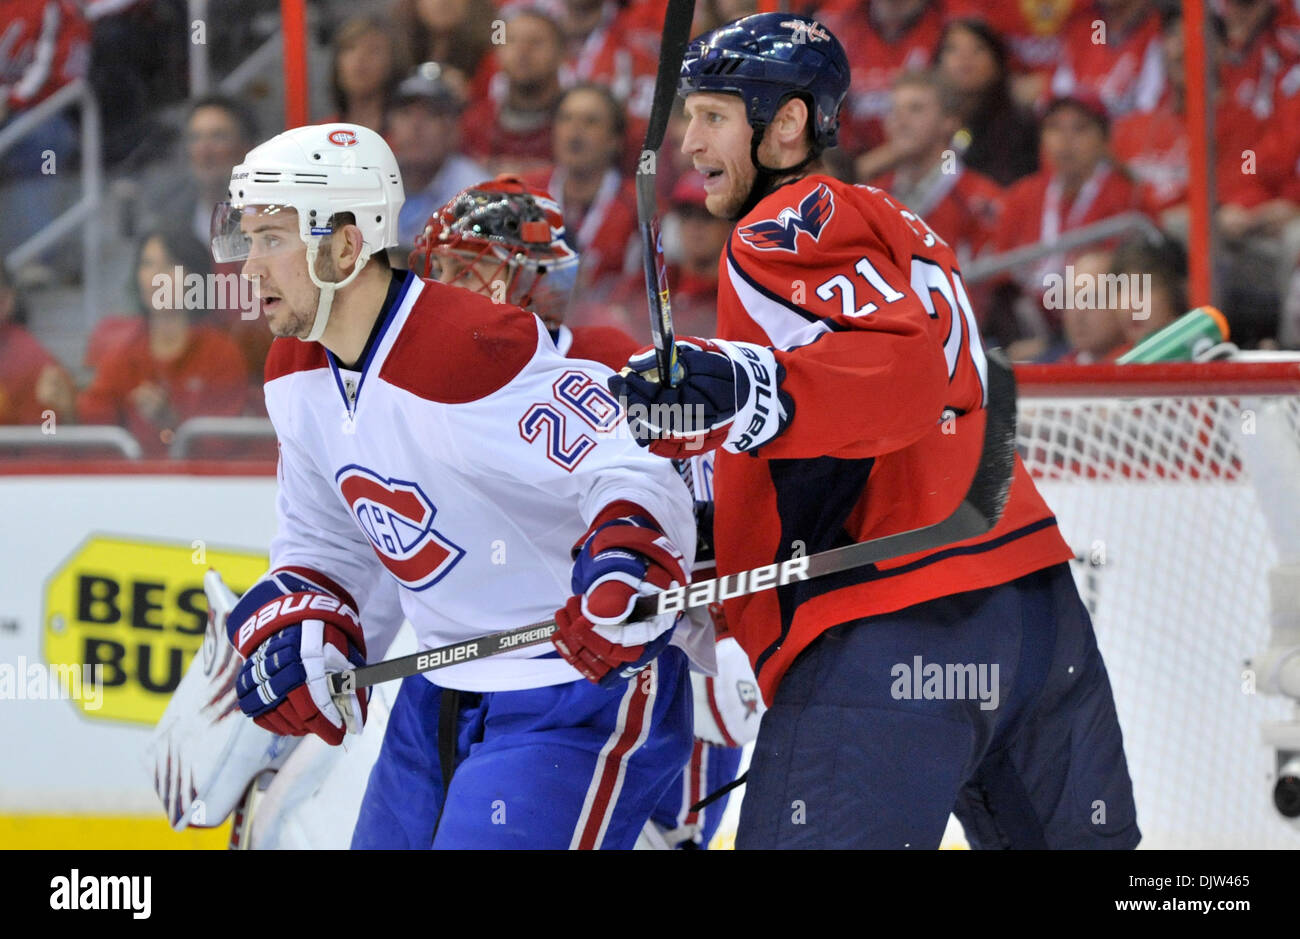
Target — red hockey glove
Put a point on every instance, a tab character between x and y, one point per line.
623	556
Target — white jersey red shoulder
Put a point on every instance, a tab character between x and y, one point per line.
447	477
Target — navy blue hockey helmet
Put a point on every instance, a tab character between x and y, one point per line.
765	59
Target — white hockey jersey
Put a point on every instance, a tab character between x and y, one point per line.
451	474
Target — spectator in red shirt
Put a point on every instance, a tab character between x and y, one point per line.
617	45
1154	146
158	252
998	137
1258	216
175	370
1079	185
597	200
508	129
883	38
1259	65
1259	77
925	173
32	382
46	45
1112	52
368	63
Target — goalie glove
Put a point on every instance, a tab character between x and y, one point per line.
291	633
622	557
729	396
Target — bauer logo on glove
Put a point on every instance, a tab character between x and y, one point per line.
729	396
292	633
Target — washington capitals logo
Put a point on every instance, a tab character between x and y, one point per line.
782	233
397	517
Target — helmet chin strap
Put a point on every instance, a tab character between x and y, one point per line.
327	289
766	177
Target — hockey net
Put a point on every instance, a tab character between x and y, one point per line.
1178	487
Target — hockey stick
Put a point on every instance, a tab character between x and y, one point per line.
978	512
676	34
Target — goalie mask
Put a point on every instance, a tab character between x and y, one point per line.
504	240
319	172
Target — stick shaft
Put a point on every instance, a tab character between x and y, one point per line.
676	35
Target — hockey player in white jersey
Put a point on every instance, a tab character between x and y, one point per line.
503	237
439	460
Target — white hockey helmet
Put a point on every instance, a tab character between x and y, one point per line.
318	171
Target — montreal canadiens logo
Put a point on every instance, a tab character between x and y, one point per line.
343	138
397	517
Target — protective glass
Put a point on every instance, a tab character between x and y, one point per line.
238	233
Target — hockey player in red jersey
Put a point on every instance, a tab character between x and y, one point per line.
844	403
441	462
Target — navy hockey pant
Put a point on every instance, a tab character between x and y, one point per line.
566	766
992	704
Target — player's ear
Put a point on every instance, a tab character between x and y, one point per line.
346	246
791	120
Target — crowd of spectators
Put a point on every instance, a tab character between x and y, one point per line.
1004	125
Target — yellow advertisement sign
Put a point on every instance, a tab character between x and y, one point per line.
137	609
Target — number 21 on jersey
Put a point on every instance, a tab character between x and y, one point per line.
928	279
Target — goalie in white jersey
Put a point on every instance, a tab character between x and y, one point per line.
440	460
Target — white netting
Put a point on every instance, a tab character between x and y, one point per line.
1158	497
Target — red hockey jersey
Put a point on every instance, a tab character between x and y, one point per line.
1153	145
869	317
1119	64
1037	209
44	44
